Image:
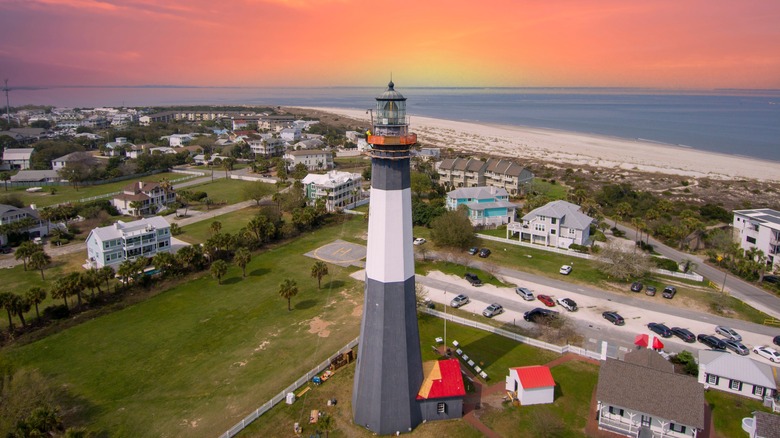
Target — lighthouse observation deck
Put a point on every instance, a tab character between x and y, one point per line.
390	138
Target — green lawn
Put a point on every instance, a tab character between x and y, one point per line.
231	223
69	194
226	191
553	191
421	267
193	360
728	410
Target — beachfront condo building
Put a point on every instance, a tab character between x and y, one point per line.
338	189
495	172
112	245
759	229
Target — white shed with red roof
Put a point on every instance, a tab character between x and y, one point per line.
533	385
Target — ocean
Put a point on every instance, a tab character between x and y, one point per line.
736	122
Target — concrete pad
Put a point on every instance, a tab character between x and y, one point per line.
340	252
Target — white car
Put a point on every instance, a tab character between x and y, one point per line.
767	352
565	270
567	303
419	241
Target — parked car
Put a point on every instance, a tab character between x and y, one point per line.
774	279
684	334
547	300
493	310
419	241
568	304
460	300
538	314
473	251
636	286
728	333
565	270
525	293
669	292
776	340
711	341
6	250
736	347
484	253
473	279
650	291
767	352
660	329
614	318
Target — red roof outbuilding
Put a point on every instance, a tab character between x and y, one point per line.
441	379
535	376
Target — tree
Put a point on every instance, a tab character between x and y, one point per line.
60	290
215	227
190	257
242	258
227	164
287	289
619	263
136	206
26	250
126	270
255	191
453	229
40	260
6	302
165	262
261	228
299	171
327	424
106	274
35	296
420	183
218	269
622	210
20	305
5	177
318	270
73	284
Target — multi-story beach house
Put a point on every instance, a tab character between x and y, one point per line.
26	218
642	396
759	229
112	245
558	223
267	147
141	198
461	172
338	189
736	374
507	174
290	135
485	205
17	158
315	159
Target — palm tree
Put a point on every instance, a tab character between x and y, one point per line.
106	274
25	251
6	299
36	295
126	270
215	227
165	262
5	177
91	279
318	270
219	269
621	210
242	258
59	290
327	424
74	285
40	260
20	305
136	206
288	289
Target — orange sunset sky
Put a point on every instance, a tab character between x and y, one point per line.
568	43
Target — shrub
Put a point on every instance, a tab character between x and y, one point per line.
669	265
617	233
645	246
579	248
56	312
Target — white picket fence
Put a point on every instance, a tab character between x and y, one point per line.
254	178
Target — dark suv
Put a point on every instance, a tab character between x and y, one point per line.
660	329
684	334
473	279
669	292
484	252
712	342
614	318
538	315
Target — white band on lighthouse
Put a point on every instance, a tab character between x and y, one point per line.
389	242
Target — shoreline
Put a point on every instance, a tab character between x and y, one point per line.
579	149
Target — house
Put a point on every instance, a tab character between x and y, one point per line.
36	176
533	385
202	160
151	196
486	205
32	224
267	147
61	162
762	425
162	150
508	175
178	140
461	172
558	223
18	158
736	374
760	229
112	245
442	390
290	134
338	189
427	154
163	117
316	159
642	396
115	148
312	143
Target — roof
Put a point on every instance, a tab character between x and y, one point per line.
331	179
649	358
17	153
535	376
35	175
478	206
120	228
78	155
391	93
767	425
441	379
503	167
133	197
140	187
766	216
477	193
4	208
741	368
568	213
307	152
647	390
461	164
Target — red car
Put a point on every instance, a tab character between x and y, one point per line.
547	300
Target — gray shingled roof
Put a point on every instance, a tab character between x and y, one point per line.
741	368
569	214
477	192
17	153
34	175
504	167
649	358
767	425
670	396
486	205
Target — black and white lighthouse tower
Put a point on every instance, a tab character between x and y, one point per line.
389	367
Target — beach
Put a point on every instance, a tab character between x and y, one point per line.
570	149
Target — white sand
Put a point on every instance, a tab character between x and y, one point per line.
571	149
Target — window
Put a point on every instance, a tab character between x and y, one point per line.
677	428
758	390
712	379
539	227
646	420
441	408
736	385
615	411
750	239
552	231
554	220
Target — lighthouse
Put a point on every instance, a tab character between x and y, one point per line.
389	366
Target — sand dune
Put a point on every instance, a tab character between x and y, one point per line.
574	149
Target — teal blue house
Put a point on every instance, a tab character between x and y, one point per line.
486	205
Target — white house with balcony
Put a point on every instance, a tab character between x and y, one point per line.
150	197
112	245
339	189
267	146
290	135
312	159
759	229
736	374
485	205
27	219
558	223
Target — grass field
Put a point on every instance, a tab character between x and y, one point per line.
194	359
231	223
225	191
69	194
728	410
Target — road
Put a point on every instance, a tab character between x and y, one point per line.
754	296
